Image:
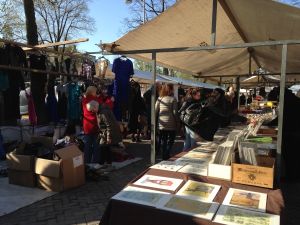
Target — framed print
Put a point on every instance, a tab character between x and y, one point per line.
199	190
179	204
140	196
169	165
246	199
198	155
233	216
194	168
164	183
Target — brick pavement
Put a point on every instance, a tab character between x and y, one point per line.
83	205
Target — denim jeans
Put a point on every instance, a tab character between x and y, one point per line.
167	138
91	148
190	141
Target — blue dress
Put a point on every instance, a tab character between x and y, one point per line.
123	69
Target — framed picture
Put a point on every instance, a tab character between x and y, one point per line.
169	165
233	216
178	204
246	199
194	168
198	155
199	190
164	183
140	196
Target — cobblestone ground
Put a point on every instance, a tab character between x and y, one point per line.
86	204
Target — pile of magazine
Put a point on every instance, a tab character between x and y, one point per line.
247	153
224	153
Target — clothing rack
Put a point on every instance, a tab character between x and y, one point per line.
45	49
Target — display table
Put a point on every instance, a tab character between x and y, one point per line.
126	213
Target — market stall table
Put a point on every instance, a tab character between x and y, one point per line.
127	213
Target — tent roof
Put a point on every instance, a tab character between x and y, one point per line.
188	23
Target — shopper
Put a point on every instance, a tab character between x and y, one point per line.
166	112
192	98
90	105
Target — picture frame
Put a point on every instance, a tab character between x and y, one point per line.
246	199
187	206
140	196
233	216
169	165
199	191
163	183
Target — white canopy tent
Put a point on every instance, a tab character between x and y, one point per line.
225	39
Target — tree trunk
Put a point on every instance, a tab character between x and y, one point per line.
31	28
38	81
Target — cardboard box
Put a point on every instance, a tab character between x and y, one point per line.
20	162
219	171
23	178
65	173
262	175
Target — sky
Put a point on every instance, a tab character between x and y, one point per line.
108	15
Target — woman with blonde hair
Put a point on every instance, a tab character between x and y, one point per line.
90	106
166	112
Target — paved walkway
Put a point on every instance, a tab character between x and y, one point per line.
83	205
86	204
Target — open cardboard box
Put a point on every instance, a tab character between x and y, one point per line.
64	173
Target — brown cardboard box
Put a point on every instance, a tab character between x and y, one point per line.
20	162
65	173
23	178
262	175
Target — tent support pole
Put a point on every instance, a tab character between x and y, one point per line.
280	115
238	88
153	116
250	62
214	22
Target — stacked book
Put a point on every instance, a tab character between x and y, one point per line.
224	153
247	153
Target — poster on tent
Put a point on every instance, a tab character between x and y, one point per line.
199	190
164	183
168	165
195	208
246	199
140	196
233	216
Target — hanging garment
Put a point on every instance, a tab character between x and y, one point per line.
103	64
31	109
16	57
38	87
123	69
74	106
136	106
2	118
52	108
62	103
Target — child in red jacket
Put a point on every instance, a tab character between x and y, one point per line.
90	106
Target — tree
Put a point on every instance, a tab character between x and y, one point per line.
11	24
60	20
152	9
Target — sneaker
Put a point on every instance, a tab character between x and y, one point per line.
108	168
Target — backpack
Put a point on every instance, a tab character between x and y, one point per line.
191	116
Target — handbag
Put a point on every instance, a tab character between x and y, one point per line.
192	115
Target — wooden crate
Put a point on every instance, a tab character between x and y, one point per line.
262	175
